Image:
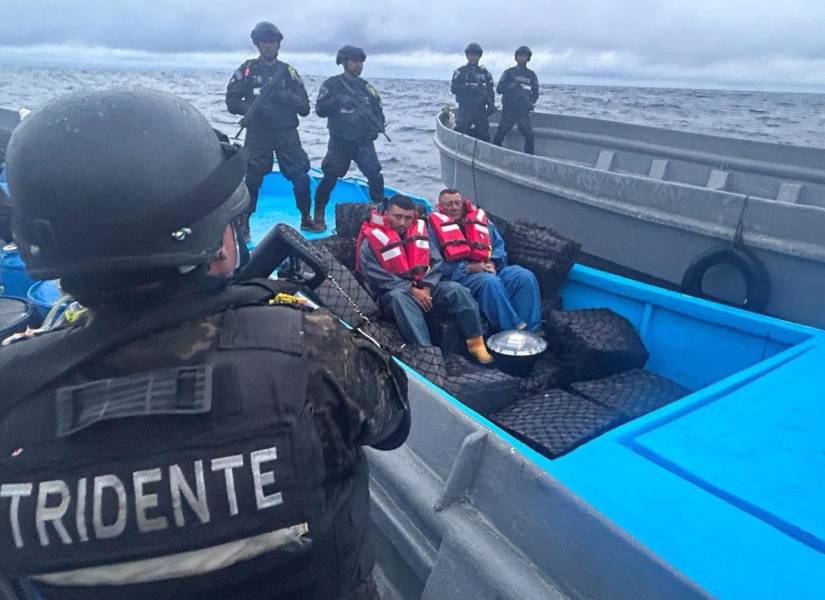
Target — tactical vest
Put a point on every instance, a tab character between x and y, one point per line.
408	257
353	122
256	76
519	93
470	241
198	478
473	86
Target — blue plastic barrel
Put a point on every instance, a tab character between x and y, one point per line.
15	315
16	281
43	295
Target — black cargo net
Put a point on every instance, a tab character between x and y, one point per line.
590	379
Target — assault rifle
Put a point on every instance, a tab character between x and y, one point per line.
365	111
265	90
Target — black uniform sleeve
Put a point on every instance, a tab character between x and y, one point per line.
458	84
327	101
503	82
534	87
375	104
237	102
299	96
358	392
489	86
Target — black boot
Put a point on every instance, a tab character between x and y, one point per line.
319	216
307	224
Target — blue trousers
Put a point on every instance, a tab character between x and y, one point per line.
507	298
449	298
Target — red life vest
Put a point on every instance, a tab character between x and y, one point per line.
450	238
408	257
470	240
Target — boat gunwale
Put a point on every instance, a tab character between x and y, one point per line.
644	212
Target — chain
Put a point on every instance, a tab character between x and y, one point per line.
364	318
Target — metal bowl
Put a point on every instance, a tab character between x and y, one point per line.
516	351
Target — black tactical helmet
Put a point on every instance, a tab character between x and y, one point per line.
524	50
473	48
266	32
120	180
350	53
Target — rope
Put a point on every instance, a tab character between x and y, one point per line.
737	241
476	199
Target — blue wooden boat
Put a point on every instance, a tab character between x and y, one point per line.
720	494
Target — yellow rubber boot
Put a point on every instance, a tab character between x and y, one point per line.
476	347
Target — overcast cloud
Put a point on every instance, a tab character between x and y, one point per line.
757	43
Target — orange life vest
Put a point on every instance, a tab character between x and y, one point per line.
470	240
408	257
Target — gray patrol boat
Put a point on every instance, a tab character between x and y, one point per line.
730	219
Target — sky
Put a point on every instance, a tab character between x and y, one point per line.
746	44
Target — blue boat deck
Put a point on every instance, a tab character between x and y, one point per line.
727	484
276	203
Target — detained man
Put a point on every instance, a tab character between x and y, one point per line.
474	256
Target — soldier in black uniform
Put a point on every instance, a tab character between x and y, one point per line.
519	89
191	439
473	88
355	117
270	95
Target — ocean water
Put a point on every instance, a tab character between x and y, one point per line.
411	160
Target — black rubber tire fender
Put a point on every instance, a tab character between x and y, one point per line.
757	279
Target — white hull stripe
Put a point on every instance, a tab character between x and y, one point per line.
184	564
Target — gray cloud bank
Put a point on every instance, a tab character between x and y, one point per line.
711	42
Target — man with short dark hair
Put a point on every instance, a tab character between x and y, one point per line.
473	88
355	117
474	256
403	271
271	95
519	89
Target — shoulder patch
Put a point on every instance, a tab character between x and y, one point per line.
371	90
294	74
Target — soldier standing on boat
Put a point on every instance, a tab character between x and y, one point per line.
270	95
355	117
473	88
193	438
519	89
